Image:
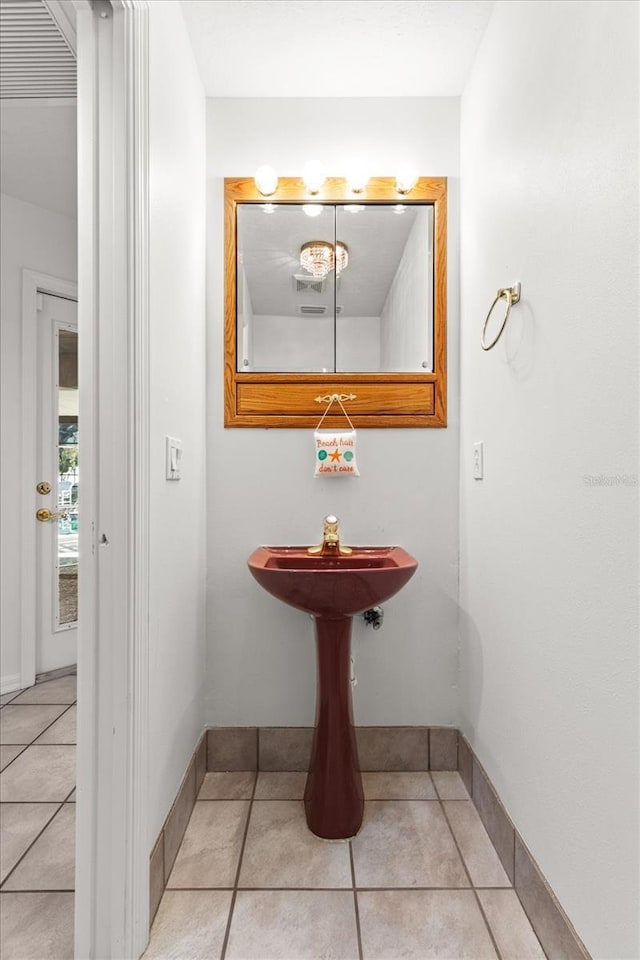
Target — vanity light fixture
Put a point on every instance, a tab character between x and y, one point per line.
313	176
266	180
406	178
357	176
312	209
319	257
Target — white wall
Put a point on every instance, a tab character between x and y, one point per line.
178	407
260	482
292	343
310	343
357	343
549	579
43	241
404	345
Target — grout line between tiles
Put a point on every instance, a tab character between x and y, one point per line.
355	901
484	917
222	799
338	889
24	747
535	932
40	746
35	840
237	879
16	693
13	802
450	889
291	889
473	887
197	889
39	703
41	890
32	743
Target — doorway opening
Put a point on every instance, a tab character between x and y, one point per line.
58	486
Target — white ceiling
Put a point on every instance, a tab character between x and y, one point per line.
266	48
269	247
38	157
37	103
333	48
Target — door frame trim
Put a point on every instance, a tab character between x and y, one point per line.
112	842
33	283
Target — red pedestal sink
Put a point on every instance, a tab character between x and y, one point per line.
333	588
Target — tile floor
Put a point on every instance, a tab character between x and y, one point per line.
421	881
37	821
250	882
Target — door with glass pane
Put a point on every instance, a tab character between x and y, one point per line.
58	486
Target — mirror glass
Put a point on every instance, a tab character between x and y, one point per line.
332	288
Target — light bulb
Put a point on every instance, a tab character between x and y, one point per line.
269	207
266	180
354	207
357	176
399	208
313	176
406	178
312	209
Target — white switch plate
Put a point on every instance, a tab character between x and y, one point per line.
174	457
478	461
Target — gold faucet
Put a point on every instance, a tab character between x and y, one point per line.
330	545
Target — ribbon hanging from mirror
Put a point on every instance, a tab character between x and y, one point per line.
335	450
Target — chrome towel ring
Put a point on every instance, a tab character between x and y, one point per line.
511	295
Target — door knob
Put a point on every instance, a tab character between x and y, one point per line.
44	515
43	487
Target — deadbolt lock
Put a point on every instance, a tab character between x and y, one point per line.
43	487
44	515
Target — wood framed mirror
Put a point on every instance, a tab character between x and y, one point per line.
336	293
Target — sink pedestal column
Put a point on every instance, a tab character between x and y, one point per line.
333	797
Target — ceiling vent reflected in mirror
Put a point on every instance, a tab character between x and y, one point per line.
302	281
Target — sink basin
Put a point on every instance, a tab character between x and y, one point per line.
332	586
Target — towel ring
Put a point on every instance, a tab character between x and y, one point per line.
511	295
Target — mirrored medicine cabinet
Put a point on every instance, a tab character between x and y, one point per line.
335	293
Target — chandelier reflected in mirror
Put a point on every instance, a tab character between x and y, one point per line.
319	257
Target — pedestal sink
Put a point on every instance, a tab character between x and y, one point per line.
333	588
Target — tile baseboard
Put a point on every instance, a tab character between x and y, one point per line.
550	923
69	671
380	749
168	842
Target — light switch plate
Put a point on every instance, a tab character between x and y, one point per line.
173	458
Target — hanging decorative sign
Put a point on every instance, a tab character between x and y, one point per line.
335	450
